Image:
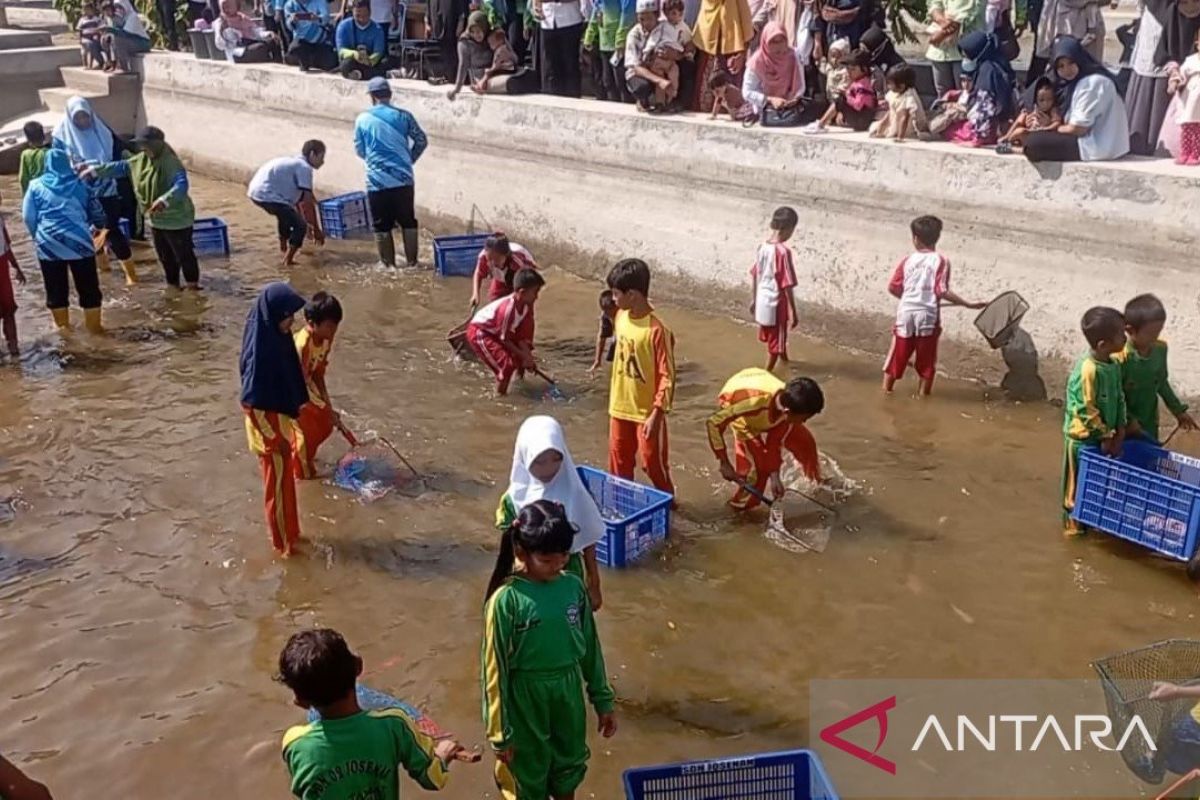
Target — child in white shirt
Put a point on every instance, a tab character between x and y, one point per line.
774	280
905	116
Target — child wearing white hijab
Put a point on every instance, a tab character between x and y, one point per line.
542	468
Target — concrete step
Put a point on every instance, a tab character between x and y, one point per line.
32	61
35	19
12	39
97	81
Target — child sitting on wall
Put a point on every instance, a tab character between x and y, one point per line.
855	107
905	117
89	26
728	99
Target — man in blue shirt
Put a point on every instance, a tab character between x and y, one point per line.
361	44
390	141
308	20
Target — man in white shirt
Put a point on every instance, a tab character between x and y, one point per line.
283	187
562	25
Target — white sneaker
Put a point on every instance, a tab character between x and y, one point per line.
813	128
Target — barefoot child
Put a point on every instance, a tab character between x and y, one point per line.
922	284
499	260
273	392
608	315
540	649
1044	116
8	300
348	752
728	99
772	296
317	419
905	117
542	469
1095	411
642	388
1143	364
855	106
767	417
501	333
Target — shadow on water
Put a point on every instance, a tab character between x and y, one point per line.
405	558
717	717
1022	381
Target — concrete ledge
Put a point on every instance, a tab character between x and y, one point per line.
592	181
11	39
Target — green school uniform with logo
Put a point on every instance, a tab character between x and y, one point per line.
540	648
1094	410
1145	380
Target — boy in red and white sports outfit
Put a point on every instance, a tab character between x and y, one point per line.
8	301
501	333
922	282
773	302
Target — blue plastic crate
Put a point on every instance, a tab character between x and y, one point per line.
457	255
636	517
345	214
786	775
210	235
1149	496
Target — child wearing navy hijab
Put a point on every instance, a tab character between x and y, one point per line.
273	390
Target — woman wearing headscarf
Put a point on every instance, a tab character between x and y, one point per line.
1166	37
241	39
1096	126
992	101
474	55
773	74
722	37
273	390
129	37
160	184
59	212
86	139
542	469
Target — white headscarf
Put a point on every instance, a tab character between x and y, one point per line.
133	23
536	436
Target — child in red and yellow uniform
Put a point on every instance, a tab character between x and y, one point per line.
767	417
642	388
273	392
501	333
317	419
773	300
499	262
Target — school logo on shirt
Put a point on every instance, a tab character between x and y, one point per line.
573	615
627	359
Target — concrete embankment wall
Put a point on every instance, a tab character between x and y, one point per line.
586	182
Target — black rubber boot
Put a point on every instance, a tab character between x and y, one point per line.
387	249
412	245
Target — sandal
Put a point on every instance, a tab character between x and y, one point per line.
1004	148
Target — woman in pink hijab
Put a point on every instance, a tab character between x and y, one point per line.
242	39
774	78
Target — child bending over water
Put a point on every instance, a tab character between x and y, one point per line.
350	753
273	392
317	419
608	315
540	650
542	469
501	333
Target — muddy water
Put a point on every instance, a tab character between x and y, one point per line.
141	610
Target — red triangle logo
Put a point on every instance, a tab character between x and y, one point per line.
831	734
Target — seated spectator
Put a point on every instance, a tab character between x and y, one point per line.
837	77
241	38
1043	116
308	21
773	75
1096	127
880	48
127	35
905	117
652	90
504	61
361	44
474	56
727	98
990	101
89	26
854	108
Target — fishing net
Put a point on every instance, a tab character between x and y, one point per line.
802	520
374	700
1127	679
1000	318
372	470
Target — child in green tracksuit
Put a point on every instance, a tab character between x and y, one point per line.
1095	402
540	648
1144	369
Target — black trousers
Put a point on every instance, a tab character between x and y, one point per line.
392	207
177	255
641	89
112	215
166	16
289	221
614	78
307	55
260	53
365	71
561	73
517	40
57	276
1051	146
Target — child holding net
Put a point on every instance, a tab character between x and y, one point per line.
317	419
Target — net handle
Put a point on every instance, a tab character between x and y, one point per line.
1191	776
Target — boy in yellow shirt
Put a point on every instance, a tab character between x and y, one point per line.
643	379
